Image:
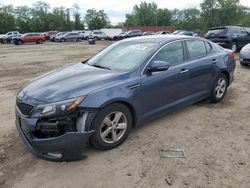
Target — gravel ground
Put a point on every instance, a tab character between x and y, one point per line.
215	137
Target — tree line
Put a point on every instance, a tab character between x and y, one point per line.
211	13
40	17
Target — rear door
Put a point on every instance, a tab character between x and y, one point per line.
34	37
201	61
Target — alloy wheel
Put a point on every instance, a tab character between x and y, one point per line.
113	127
220	88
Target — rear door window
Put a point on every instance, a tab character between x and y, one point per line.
196	49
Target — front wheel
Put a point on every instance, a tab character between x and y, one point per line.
19	42
219	88
112	126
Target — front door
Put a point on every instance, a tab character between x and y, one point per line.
163	89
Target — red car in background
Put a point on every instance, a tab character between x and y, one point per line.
30	37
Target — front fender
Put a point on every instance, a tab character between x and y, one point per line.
122	92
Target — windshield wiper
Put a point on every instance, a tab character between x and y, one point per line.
102	67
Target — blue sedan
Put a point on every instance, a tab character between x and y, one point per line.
131	82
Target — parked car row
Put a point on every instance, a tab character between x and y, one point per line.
9	37
232	37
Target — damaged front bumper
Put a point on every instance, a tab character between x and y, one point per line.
66	147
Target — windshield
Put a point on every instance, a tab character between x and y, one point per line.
123	56
177	31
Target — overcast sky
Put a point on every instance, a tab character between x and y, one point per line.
116	9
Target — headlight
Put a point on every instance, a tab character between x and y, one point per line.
56	108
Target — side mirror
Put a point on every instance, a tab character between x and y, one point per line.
158	66
84	61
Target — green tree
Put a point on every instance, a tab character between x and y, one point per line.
40	12
78	24
96	19
145	14
163	17
220	12
7	19
187	19
23	18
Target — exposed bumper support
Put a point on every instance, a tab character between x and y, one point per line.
67	147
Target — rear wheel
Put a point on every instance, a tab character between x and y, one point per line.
19	42
62	40
39	41
112	125
219	88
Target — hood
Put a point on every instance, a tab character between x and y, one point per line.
69	82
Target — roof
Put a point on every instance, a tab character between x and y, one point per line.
158	38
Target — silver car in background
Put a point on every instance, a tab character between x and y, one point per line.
69	36
245	55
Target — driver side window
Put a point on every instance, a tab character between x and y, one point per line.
172	53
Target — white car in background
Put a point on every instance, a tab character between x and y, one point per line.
97	35
83	34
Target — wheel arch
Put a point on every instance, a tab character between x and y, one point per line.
128	105
227	75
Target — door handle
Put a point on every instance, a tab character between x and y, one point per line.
134	86
183	71
214	61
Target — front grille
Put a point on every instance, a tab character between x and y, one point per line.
24	108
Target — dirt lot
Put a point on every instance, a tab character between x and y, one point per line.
215	137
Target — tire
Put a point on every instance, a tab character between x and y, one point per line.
19	42
79	40
96	38
219	88
243	64
234	46
107	140
39	42
62	40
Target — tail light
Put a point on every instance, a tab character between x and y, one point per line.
231	54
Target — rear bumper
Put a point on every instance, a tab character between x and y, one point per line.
67	147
